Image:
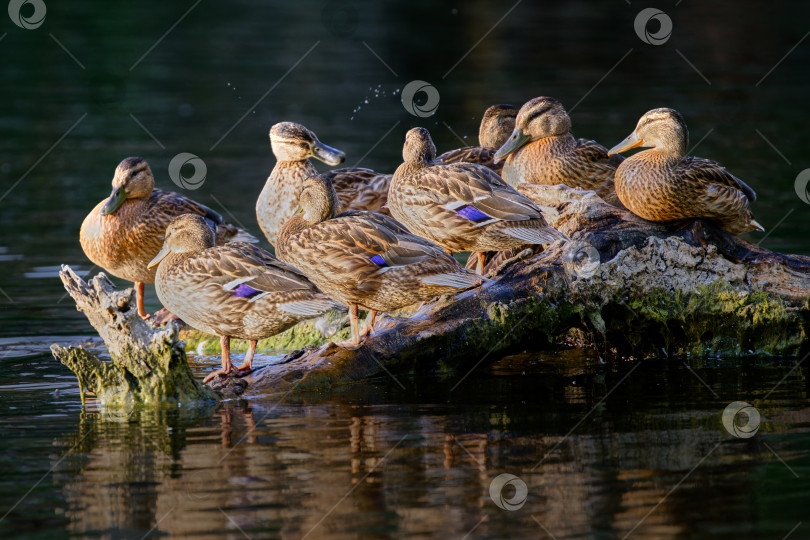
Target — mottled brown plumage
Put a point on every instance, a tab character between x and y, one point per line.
496	126
361	189
461	206
123	233
542	150
364	259
233	291
664	184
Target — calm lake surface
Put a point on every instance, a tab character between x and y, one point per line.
605	450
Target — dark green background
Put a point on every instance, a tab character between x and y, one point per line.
275	469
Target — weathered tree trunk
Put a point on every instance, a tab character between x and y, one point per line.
148	367
623	285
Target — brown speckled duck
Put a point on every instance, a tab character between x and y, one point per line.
496	126
293	145
664	184
366	189
233	291
363	259
462	206
542	150
124	232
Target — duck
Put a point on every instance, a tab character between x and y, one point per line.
462	206
366	189
496	126
293	145
542	150
125	231
365	260
236	290
663	184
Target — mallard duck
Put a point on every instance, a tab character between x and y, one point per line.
124	232
233	291
496	126
542	150
293	145
461	206
664	184
364	259
366	189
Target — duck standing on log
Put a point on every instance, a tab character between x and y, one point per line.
364	259
462	206
233	291
124	232
663	184
542	150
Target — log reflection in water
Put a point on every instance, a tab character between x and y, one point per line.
340	470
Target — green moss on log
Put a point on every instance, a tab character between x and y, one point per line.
304	334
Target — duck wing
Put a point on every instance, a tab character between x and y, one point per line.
700	170
360	189
163	206
240	263
458	187
470	154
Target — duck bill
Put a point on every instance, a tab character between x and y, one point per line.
327	154
159	257
515	141
114	202
632	141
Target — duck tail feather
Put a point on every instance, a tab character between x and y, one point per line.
543	235
457	280
309	308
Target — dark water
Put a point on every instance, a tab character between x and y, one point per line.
380	461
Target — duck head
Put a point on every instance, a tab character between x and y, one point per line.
318	199
188	233
663	129
294	142
537	119
418	147
496	125
132	180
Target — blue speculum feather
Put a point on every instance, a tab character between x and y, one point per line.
472	213
377	259
245	291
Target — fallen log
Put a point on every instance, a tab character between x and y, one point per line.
148	367
622	285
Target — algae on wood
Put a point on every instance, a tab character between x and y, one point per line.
149	366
